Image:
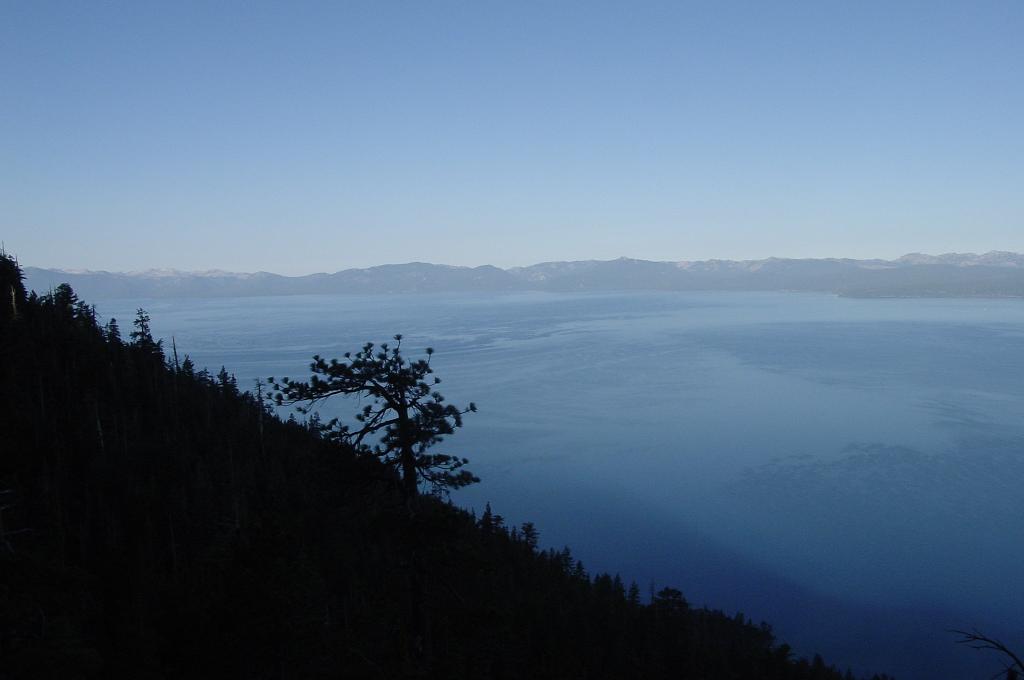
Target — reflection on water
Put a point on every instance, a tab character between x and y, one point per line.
705	440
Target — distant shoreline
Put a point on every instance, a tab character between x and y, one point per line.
991	275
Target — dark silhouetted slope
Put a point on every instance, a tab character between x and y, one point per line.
160	523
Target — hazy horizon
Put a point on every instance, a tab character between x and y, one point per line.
181	270
332	136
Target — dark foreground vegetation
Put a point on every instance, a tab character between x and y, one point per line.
159	522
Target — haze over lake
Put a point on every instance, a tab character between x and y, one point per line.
820	462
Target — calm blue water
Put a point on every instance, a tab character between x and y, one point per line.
850	470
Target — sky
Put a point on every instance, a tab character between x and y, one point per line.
298	137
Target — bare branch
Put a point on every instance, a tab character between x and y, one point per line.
977	640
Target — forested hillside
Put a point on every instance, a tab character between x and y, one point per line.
157	522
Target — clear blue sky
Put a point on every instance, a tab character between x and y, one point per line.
299	137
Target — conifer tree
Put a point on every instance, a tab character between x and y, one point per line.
633	596
530	535
12	287
142	336
404	418
113	332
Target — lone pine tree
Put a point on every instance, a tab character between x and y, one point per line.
404	418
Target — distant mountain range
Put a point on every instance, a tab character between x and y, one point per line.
994	274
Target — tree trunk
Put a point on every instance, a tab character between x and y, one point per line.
410	485
410	493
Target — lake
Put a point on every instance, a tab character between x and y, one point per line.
850	470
